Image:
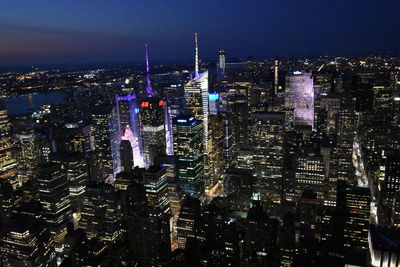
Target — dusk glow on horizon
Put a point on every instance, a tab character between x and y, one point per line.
52	32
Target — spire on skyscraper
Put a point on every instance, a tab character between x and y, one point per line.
149	90
196	68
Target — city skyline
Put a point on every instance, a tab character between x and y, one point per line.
235	153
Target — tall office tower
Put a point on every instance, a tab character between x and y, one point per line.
156	124
174	194
236	107
310	173
156	185
276	76
299	96
342	157
126	156
169	137
153	129
196	97
196	100
127	110
100	216
356	202
267	141
216	157
390	186
101	119
8	163
24	243
159	209
26	156
54	197
147	230
188	221
75	166
221	61
330	105
188	150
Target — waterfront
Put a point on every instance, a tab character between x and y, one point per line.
30	103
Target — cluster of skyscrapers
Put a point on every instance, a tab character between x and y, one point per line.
272	163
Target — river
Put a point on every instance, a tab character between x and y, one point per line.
29	103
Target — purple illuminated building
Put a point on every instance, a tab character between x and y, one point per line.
149	90
299	96
155	123
127	114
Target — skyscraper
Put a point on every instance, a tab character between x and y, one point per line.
153	129
8	163
101	118
156	129
54	197
188	150
156	185
74	165
221	61
197	100
356	202
310	173
299	96
267	141
127	110
100	213
189	220
276	76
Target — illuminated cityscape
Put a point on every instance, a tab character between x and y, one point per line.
199	134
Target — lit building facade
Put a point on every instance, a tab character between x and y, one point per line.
8	163
127	111
153	129
310	173
101	119
55	200
267	141
188	150
74	165
27	245
100	214
299	96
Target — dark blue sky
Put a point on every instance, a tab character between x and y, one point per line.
101	31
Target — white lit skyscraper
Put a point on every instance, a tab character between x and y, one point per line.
197	98
299	97
222	60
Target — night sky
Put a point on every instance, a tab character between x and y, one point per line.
114	31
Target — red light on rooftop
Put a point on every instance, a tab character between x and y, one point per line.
145	104
161	103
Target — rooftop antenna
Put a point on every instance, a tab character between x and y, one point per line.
149	90
196	67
